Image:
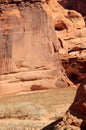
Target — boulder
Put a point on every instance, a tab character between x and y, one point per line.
76	114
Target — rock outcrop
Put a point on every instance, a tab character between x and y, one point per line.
73	53
29	58
71	32
29	51
64	19
75	117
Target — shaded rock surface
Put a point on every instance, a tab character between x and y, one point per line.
73	54
78	5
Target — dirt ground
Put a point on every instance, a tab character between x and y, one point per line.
34	110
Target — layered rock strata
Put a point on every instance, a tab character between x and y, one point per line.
71	33
29	58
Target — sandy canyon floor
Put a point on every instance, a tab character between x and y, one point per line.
34	110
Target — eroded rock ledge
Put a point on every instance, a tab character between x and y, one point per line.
71	32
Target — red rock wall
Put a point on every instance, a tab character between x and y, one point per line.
28	50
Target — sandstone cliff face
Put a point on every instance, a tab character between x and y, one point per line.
71	32
29	50
64	19
29	57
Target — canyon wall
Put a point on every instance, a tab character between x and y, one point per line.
35	36
71	31
29	58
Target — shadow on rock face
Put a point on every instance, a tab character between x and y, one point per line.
81	127
37	87
52	125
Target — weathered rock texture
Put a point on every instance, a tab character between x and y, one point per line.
71	32
64	19
73	53
76	115
29	57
